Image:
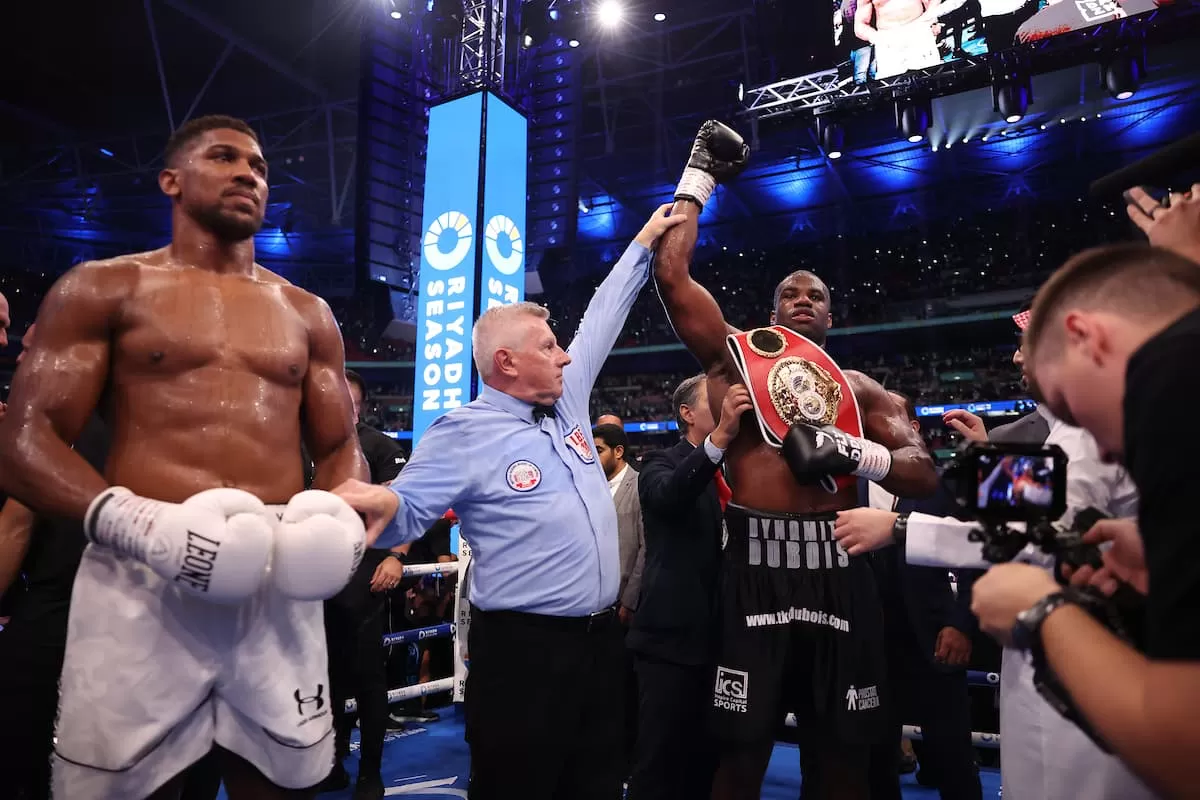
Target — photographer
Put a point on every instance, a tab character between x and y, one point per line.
1113	344
1044	755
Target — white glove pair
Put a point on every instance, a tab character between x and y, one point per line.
223	544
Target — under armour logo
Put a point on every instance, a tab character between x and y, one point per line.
301	702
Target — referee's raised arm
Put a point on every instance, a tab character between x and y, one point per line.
519	468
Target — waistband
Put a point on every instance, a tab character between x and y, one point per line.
777	540
595	622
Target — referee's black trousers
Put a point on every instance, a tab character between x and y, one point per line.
357	664
545	707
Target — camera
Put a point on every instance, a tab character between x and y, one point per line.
999	484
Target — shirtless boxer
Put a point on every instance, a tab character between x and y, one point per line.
210	371
902	33
801	626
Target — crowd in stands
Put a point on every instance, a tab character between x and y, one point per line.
891	276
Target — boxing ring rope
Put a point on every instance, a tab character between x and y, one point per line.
457	631
456	683
975	677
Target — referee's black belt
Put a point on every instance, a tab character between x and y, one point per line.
592	623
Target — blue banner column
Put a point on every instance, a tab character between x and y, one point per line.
473	245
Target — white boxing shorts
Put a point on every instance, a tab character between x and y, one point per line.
154	677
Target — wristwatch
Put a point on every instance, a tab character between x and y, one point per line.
398	556
900	529
1026	631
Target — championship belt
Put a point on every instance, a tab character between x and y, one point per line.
793	380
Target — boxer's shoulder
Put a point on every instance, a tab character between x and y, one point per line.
99	286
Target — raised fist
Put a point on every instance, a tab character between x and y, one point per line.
719	154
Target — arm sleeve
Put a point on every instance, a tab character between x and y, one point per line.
428	486
384	455
602	323
667	489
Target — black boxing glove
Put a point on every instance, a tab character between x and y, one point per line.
815	454
719	154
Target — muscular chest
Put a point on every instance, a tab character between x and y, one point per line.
216	322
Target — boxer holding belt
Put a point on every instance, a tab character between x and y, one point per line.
802	628
196	616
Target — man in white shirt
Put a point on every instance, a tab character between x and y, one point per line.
1042	756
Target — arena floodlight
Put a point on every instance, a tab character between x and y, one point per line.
832	136
660	17
1122	72
610	13
1011	96
912	118
535	23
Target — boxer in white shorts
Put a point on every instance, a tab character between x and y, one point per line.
196	617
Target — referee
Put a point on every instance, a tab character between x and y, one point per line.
545	694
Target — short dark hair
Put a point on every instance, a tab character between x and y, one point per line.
1133	279
685	395
357	380
795	273
910	408
191	130
611	435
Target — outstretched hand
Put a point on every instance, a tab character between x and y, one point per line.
658	224
377	504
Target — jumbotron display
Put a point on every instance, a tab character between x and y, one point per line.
885	38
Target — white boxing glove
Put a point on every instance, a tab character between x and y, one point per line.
216	544
318	545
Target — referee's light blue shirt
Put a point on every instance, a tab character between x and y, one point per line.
532	497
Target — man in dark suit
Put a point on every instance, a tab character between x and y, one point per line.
928	634
673	635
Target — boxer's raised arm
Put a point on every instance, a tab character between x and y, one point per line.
912	473
327	411
694	314
718	155
56	389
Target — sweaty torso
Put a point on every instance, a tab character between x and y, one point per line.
890	14
205	383
757	472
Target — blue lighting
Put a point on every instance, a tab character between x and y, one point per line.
104	151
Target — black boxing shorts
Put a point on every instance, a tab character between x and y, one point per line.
802	632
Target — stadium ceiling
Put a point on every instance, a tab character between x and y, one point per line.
89	93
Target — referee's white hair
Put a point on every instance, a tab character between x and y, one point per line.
494	330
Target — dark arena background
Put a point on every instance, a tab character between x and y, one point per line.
933	200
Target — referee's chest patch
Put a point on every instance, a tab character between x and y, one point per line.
578	441
523	476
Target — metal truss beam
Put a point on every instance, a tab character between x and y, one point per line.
158	62
481	56
203	19
835	90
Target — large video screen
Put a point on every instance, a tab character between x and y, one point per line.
885	38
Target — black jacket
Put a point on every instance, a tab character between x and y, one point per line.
384	454
923	594
677	618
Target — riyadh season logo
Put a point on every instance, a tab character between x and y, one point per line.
452	225
453	230
501	226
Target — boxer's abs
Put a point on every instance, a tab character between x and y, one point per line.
204	417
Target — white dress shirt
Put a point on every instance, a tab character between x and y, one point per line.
614	483
942	541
